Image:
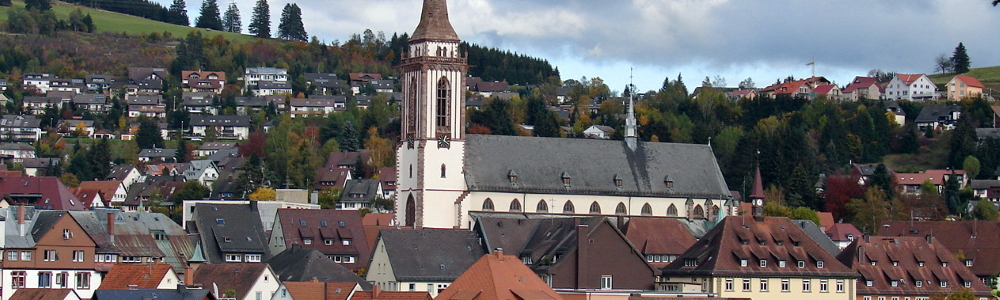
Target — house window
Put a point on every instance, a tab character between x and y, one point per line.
919	283
647	210
17	279
83	280
968	262
307	241
605	282
49	255
542	206
232	258
894	283
12	255
840	285
67	234
78	256
595	208
345	242
488	204
443	172
729	284
621	210
784	285
690	262
743	262
806	285
823	286
944	283
866	298
746	284
763	285
253	258
328	242
45	279
869	282
515	205
672	210
763	263
819	264
967	284
781	263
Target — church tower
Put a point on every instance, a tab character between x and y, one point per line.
430	157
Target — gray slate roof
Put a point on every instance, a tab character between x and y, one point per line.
12	238
430	254
360	190
174	294
817	234
298	265
239	223
983	133
592	166
134	235
933	112
157	152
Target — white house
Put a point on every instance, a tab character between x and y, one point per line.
913	87
204	171
314	106
598	132
16	152
226	127
240	281
39	81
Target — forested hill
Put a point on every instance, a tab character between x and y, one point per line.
493	64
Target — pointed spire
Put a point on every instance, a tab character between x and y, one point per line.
434	23
758	187
631	135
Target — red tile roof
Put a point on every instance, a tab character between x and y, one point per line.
883	259
240	277
43	294
659	236
824	89
976	240
316	290
365	77
129	276
970	81
498	277
88	196
54	195
325	224
841	232
758	186
391	295
377	219
935	176
107	188
908	79
825	220
862	82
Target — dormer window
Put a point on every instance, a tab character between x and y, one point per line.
618	181
819	264
869	282
743	263
565	179
894	283
968	262
512	177
690	262
763	263
669	182
944	264
919	283
781	263
944	283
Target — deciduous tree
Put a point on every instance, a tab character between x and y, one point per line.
870	210
192	190
263	193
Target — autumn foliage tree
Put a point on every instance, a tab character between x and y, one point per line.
839	191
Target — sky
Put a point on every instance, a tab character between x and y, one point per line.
650	40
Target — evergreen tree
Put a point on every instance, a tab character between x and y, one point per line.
99	157
231	21
291	27
962	142
209	18
148	136
41	5
5	3
181	154
348	138
960	60
260	22
178	14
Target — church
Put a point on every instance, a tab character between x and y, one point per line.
445	175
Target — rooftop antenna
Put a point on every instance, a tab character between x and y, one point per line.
813	64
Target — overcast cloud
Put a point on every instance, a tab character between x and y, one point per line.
736	39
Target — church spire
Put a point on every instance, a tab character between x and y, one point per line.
631	136
757	195
434	24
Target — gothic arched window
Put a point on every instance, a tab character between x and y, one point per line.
699	212
542	206
515	205
443	103
647	210
568	207
595	208
621	210
411	211
672	210
488	204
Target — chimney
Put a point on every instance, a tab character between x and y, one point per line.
253	205
930	239
188	276
582	255
376	290
111	227
20	220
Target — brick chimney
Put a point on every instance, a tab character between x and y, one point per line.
376	290
111	227
20	220
582	254
188	276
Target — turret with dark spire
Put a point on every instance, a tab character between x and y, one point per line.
757	196
631	132
434	23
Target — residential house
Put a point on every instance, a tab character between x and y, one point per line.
938	117
127	174
599	132
816	232
571	253
863	88
39	192
497	276
180	292
157	155
199	102
378	294
387	175
3	85
338	234
749	94
971	242
315	289
203	81
359	79
907	267
95	103
795	88
272	88
986	189
208	148
224	127
146	105
14	128
843	234
359	193
348	160
327	178
65	97
74	86
266	210
90	198
57	254
154	187
16	152
113	192
99	83
37	105
316	105
963	87
240	281
227	233
761	258
298	264
362	101
913	87
203	171
250	105
134	240
131	277
40	81
382	86
145	80
44	294
326	83
264	81
910	182
476	85
39	166
828	91
898	114
660	240
426	260
76	128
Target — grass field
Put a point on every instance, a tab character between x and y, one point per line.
107	21
988	76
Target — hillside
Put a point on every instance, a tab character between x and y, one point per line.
989	76
115	22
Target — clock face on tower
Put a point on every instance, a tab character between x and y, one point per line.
444	141
758	202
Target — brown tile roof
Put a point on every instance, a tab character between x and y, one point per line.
391	295
54	195
824	89
658	236
935	176
970	81
908	79
883	259
327	177
365	76
434	23
129	276
87	196
316	290
840	232
862	82
107	188
825	220
720	251
327	224
236	276
378	219
976	240
498	277
43	294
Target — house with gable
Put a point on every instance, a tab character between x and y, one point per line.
265	81
142	80
203	171
40	192
938	116
660	240
863	88
199	102
828	91
227	234
315	289
425	260
298	264
240	281
37	105
498	276
970	242
129	277
359	193
149	240
146	105
326	83
909	183
225	127
39	81
963	87
203	81
59	254
92	102
913	87
359	79
99	83
15	128
316	105
127	174
338	234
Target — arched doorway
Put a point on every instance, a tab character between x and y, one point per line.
411	211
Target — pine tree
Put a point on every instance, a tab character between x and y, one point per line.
260	23
291	27
231	20
178	13
5	3
960	60
209	17
41	5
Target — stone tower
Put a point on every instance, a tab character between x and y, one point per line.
430	158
